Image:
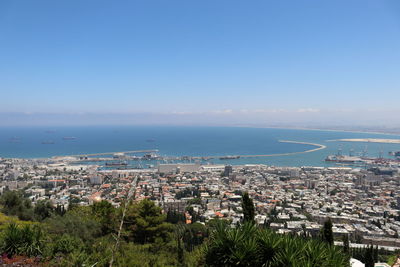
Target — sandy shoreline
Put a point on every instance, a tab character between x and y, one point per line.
318	129
368	140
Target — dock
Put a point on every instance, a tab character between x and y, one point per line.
118	152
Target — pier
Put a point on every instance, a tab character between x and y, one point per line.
318	147
119	152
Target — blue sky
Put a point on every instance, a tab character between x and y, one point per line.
287	60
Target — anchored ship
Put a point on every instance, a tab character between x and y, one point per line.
343	159
110	164
229	157
47	142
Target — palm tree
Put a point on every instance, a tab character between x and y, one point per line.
228	247
248	245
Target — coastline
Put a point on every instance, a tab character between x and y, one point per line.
318	146
368	140
314	129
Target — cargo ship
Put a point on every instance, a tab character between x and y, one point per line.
229	157
343	159
47	142
113	164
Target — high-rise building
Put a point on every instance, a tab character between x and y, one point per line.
227	170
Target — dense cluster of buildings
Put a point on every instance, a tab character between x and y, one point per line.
362	204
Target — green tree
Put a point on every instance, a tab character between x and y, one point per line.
43	209
79	222
60	210
105	214
327	234
193	235
369	256
248	208
175	217
15	204
376	254
346	244
145	222
213	223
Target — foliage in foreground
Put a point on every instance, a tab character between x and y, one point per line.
22	240
248	245
85	236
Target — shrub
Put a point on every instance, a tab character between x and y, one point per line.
248	245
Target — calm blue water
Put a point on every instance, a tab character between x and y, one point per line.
26	142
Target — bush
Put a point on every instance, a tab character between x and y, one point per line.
15	204
26	240
248	245
77	223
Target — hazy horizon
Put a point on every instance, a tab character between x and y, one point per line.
274	119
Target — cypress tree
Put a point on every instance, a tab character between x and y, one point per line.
327	233
248	208
346	244
369	256
376	254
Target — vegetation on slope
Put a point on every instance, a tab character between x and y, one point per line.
85	236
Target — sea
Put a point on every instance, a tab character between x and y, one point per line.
44	142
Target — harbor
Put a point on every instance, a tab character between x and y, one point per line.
207	145
151	158
125	159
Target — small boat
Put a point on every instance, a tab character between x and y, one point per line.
47	142
149	156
